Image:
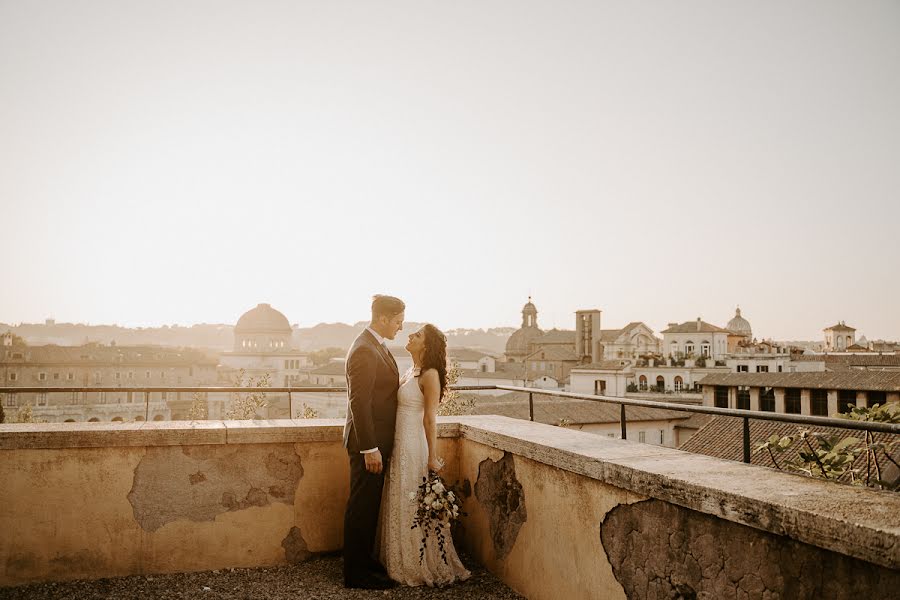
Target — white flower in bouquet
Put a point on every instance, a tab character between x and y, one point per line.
436	508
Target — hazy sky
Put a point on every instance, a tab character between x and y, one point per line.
180	162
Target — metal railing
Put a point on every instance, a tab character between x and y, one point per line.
746	415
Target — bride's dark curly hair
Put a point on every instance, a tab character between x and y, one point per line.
434	355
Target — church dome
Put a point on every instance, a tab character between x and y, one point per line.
263	319
740	325
519	343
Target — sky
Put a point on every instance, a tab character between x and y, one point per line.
180	162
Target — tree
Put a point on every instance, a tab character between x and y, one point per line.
246	405
452	403
308	412
199	410
324	356
830	457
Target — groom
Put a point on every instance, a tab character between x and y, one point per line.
372	382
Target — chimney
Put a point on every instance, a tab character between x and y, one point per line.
698	323
673	324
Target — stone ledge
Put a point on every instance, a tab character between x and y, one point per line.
858	522
34	436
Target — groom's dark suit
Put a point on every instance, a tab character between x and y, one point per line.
372	383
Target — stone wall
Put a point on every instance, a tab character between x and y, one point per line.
562	514
89	501
554	513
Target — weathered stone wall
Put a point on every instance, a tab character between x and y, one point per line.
167	497
559	514
661	551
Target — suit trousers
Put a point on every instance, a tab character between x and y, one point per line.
361	518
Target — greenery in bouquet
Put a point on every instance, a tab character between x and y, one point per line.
437	506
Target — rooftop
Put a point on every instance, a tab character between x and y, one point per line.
550	512
876	381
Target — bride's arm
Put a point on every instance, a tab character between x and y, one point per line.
431	388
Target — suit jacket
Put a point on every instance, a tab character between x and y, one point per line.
372	383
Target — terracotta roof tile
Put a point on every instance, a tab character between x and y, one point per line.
851	379
723	437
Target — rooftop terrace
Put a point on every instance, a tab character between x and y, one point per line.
552	513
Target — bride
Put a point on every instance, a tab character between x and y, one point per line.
415	453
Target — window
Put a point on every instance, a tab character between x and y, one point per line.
642	437
147	375
679	383
743	398
721	396
704	349
660	384
792	401
164	396
287	364
162	374
70	376
762	368
101	398
846	397
42	399
743	368
780	368
97	377
42	377
642	383
56	376
662	436
13	376
767	399
118	375
689	347
819	403
130	374
873	398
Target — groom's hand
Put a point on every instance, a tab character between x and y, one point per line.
373	462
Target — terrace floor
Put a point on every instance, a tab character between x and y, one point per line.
318	579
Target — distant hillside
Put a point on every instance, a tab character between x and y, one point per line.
220	337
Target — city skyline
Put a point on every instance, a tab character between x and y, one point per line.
178	163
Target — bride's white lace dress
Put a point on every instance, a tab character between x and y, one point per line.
398	545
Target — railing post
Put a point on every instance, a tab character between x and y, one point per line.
146	406
622	421
746	440
290	405
530	406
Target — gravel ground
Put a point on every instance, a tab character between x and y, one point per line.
319	579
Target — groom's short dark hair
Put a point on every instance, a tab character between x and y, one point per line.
386	306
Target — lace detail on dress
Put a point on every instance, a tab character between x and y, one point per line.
398	545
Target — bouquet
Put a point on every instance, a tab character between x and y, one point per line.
436	508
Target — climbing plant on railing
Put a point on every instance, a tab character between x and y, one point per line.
832	457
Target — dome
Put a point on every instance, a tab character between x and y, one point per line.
739	324
263	319
519	343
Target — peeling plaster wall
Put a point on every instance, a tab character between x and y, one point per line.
556	550
85	513
659	551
